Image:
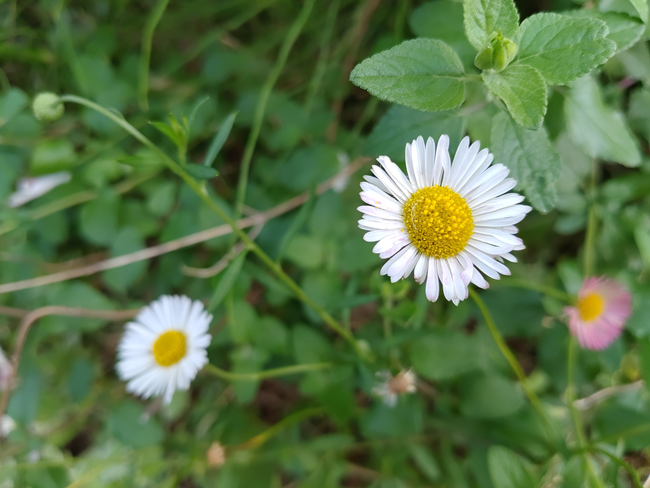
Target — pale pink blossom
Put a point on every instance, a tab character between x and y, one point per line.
599	316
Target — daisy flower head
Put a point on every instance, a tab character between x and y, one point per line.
390	387
164	347
598	317
448	222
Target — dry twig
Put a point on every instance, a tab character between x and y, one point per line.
176	244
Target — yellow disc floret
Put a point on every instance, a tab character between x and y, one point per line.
169	348
590	307
439	221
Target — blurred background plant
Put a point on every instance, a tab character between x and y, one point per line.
257	92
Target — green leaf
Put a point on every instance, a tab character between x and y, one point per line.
401	125
306	251
641	6
220	139
425	461
201	172
508	469
563	48
424	74
623	29
489	396
531	158
127	424
167	131
310	346
485	17
227	281
642	238
596	128
523	90
52	156
127	241
98	219
445	355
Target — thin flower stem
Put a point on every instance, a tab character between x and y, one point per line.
546	290
145	56
269	373
200	190
294	418
570	395
289	40
509	355
634	476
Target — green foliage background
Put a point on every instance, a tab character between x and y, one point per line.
569	114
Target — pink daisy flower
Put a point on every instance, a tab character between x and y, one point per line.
600	314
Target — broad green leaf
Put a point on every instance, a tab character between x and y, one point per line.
563	48
12	102
425	461
509	470
126	424
531	158
424	74
489	396
641	6
425	22
127	241
596	128
642	237
306	251
442	356
52	156
523	90
623	29
485	17
401	125
201	172
220	139
98	219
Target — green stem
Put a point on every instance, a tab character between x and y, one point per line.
570	395
546	290
636	481
145	56
295	418
201	191
590	254
269	373
292	35
509	355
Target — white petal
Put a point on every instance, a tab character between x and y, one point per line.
433	287
443	161
460	154
388	182
381	224
460	167
375	182
420	273
384	201
478	167
429	159
402	265
377	212
408	157
396	174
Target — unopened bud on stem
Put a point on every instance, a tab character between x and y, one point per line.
48	107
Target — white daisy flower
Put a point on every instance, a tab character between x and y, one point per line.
164	347
390	387
447	222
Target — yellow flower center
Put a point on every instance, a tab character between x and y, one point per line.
590	307
439	221
169	348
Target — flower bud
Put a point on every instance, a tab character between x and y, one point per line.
48	107
497	55
216	455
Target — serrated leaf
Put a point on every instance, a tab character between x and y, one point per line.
201	172
523	90
484	17
401	125
531	158
596	128
508	469
220	139
424	74
623	29
563	48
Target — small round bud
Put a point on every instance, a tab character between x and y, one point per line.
48	107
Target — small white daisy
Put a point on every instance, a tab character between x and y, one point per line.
390	387
164	347
447	222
